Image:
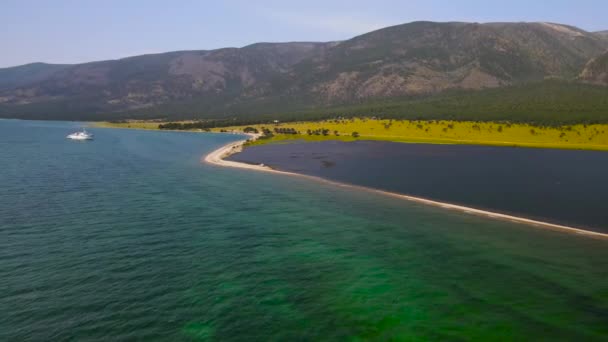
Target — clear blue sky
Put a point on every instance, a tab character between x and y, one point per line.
71	31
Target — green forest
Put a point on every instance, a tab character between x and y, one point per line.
548	103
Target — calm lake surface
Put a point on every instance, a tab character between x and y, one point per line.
560	186
130	237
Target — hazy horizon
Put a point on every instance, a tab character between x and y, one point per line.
68	32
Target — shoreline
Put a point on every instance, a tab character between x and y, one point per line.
217	156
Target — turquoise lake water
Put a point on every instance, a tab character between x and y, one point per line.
130	237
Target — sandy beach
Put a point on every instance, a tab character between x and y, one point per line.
217	158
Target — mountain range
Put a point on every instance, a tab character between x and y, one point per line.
414	60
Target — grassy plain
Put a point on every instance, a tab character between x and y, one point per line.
152	125
580	136
589	137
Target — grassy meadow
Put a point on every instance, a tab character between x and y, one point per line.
153	125
579	136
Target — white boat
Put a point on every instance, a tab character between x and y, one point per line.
84	135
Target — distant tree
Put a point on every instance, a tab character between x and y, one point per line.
499	129
336	133
250	129
281	130
355	134
266	133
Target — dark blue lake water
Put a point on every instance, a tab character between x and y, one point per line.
560	186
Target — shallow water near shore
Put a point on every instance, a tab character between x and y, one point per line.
131	237
558	186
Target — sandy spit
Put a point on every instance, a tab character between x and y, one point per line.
217	158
